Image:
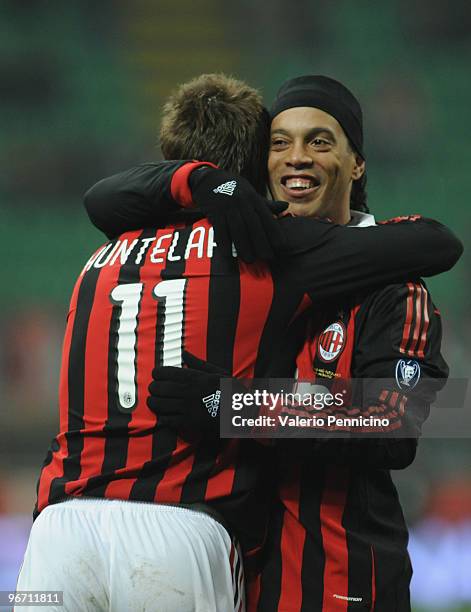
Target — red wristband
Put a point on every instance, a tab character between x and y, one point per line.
180	188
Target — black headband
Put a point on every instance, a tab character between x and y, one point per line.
327	95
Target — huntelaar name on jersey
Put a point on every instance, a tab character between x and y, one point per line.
199	243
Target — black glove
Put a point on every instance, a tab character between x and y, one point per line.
187	398
238	214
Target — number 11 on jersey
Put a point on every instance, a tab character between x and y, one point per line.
169	294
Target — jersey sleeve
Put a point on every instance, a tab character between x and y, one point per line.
330	261
398	327
400	341
148	195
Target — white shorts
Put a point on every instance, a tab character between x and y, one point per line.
123	556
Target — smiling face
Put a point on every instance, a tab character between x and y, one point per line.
311	164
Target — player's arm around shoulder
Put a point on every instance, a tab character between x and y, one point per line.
142	196
329	261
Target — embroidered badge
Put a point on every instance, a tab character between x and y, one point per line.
332	341
407	373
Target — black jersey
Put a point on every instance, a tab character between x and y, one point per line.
338	540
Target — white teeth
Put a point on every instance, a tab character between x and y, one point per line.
299	183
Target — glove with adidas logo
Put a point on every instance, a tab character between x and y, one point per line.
187	399
238	214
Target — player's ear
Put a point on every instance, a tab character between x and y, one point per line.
358	168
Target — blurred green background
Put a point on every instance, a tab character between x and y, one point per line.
82	87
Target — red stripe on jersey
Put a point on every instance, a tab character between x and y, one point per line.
180	465
253	592
289	489
373	581
95	400
418	321
246	341
408	321
197	271
393	399
56	468
293	538
423	337
180	188
120	489
334	537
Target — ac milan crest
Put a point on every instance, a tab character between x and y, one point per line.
332	341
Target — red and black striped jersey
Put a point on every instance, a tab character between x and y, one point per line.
138	301
338	540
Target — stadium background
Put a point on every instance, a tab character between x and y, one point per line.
82	85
